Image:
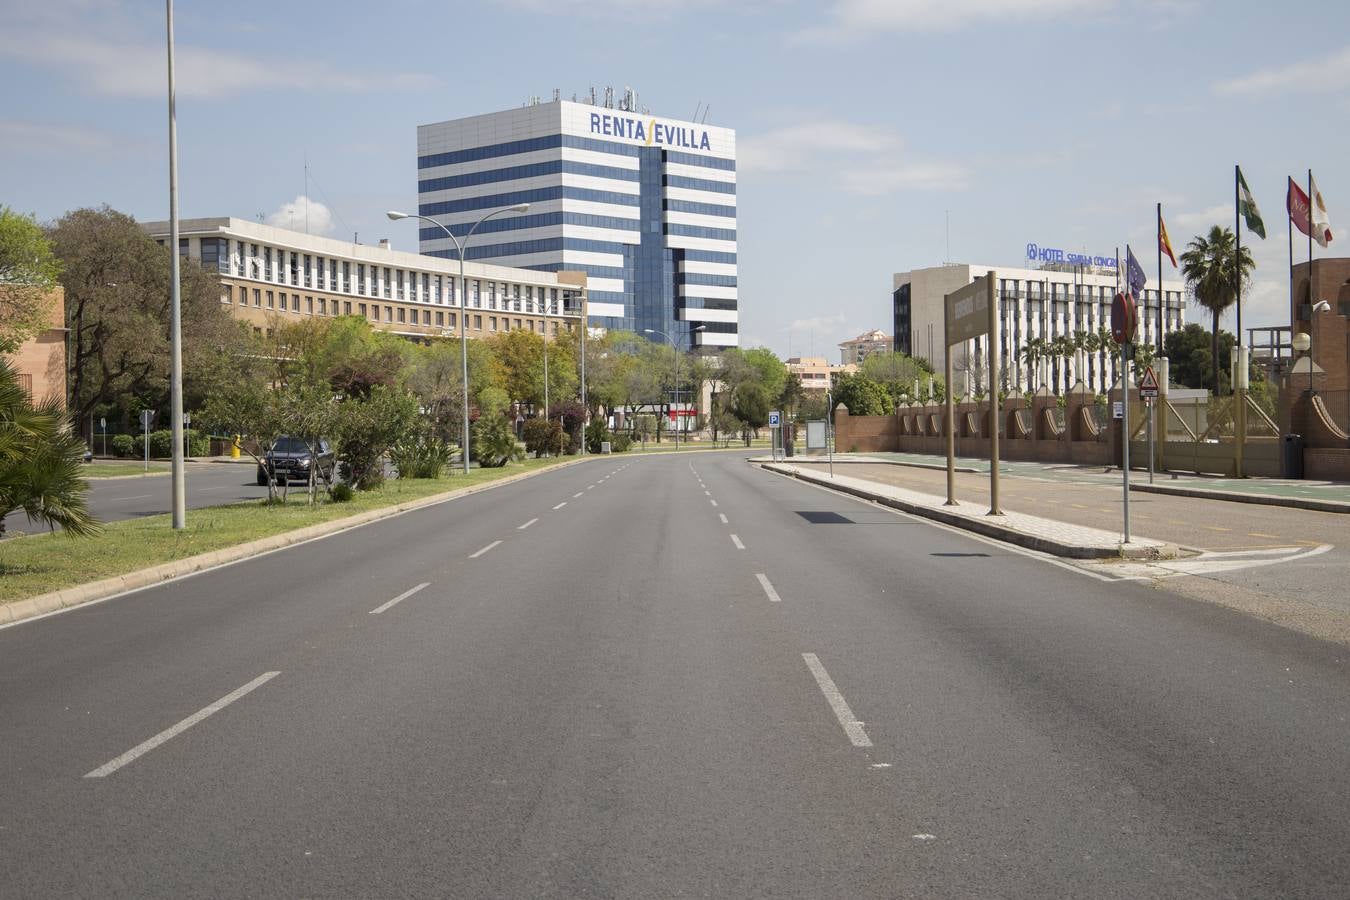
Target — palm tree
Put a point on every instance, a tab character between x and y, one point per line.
40	460
1211	268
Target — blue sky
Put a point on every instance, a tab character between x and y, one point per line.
862	124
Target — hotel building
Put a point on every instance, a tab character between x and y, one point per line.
269	273
645	206
1033	303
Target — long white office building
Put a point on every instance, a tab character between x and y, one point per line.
645	206
1033	303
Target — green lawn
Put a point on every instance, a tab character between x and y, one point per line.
46	562
111	469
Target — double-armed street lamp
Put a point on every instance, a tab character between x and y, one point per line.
394	215
675	347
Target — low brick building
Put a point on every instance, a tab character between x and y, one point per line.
41	361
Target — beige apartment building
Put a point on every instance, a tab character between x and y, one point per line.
816	373
268	273
854	351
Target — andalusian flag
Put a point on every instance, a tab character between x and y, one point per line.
1247	207
1164	244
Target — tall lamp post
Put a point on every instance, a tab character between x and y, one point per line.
394	216
675	347
178	489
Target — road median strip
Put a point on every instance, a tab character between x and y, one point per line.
1032	532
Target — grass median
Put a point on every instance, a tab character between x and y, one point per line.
117	470
40	563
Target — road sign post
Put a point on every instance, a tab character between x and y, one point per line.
147	416
1124	321
103	427
775	432
969	313
1148	390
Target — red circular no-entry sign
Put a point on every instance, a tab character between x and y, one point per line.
1124	318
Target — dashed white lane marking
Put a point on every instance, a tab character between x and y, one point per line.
768	588
484	550
561	505
713	502
589	486
709	493
526	525
136	497
399	599
849	722
169	733
723	517
577	494
737	541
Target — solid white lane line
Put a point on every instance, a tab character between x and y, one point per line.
526	525
577	494
849	722
561	505
713	502
400	598
484	550
737	541
167	734
768	588
723	517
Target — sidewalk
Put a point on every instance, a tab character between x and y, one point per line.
1324	496
1034	532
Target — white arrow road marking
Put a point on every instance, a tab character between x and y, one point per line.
1216	562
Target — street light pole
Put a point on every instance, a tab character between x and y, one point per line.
179	486
394	216
674	347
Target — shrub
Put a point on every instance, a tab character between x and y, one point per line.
543	436
367	429
622	442
494	441
420	455
341	493
161	443
596	433
123	445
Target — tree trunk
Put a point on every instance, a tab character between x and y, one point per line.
1214	351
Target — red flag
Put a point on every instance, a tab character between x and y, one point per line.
1163	243
1300	210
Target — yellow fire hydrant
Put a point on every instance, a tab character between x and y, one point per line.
234	448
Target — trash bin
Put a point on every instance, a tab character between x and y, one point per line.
1291	456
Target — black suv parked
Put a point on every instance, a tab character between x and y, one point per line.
290	459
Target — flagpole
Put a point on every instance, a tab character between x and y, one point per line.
1237	262
1162	296
1288	193
1311	301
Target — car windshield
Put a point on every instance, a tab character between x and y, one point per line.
290	445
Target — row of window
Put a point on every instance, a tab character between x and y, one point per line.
700	278
558	192
553	141
539	220
702	209
280	266
374	312
556	245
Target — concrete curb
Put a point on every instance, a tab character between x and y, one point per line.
985	527
77	595
1331	506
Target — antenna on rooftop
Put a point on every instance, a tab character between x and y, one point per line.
705	114
557	95
609	97
592	100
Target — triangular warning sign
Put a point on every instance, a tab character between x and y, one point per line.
1149	383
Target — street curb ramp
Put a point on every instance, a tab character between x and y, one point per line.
42	604
984	526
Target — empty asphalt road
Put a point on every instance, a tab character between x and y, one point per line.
662	677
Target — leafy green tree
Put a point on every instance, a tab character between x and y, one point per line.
1191	361
750	403
862	395
40	461
895	372
367	428
116	281
434	375
1212	268
28	272
543	437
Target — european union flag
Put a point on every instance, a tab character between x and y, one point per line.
1134	273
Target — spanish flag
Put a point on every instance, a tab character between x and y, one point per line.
1163	243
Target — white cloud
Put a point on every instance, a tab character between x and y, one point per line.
109	53
800	147
1330	73
860	18
885	179
303	214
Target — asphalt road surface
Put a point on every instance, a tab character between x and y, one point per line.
672	676
208	484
